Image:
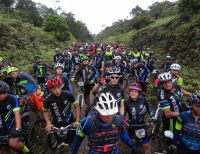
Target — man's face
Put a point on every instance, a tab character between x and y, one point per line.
134	94
13	75
106	119
114	79
85	62
56	90
167	85
3	96
174	72
59	71
135	65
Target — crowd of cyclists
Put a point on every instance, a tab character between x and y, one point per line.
117	82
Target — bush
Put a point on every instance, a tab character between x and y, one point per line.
58	26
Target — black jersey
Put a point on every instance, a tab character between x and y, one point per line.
60	108
137	109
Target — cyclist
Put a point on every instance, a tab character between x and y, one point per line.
60	103
68	64
97	60
63	76
10	119
141	72
169	98
189	123
58	57
113	76
104	128
137	106
174	70
29	86
39	70
108	55
119	64
88	74
151	61
167	63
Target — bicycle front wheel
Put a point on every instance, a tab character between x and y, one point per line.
157	145
37	137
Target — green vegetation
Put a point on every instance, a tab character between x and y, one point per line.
28	28
170	28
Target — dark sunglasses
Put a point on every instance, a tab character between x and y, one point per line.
114	77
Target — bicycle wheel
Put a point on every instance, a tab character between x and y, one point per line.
157	145
26	121
37	137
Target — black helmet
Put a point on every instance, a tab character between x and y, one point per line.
3	87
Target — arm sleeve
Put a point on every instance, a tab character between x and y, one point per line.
15	104
80	135
96	74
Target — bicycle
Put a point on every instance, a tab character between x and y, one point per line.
37	137
58	139
80	97
160	144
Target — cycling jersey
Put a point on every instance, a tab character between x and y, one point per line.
108	55
87	73
26	82
7	107
178	81
102	138
141	72
190	130
76	59
150	62
116	91
97	61
166	66
60	108
170	100
122	68
40	70
68	65
67	84
58	57
137	109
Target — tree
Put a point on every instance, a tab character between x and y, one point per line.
7	3
159	8
58	26
136	11
188	7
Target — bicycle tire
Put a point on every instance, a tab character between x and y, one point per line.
37	137
157	145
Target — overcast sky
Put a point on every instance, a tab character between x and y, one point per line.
97	14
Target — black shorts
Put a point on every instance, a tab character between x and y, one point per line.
41	80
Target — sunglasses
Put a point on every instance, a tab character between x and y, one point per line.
114	77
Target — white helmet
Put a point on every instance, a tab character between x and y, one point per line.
163	77
58	65
106	104
175	67
117	58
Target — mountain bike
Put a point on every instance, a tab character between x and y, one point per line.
59	138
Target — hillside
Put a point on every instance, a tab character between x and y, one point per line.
20	41
177	35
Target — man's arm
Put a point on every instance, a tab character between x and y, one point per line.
17	118
77	112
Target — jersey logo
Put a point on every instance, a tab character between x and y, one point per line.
118	94
65	102
8	107
141	106
1	124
